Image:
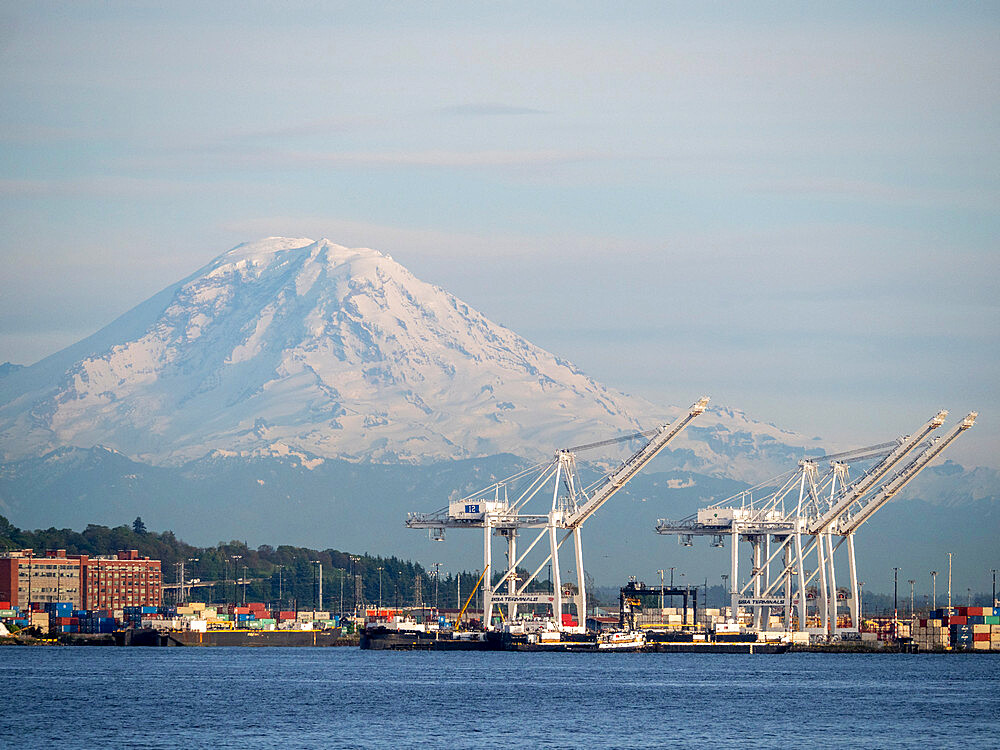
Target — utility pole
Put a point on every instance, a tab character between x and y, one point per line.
933	589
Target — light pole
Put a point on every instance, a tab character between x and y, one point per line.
437	572
672	586
933	589
911	582
861	603
183	596
968	601
895	605
380	586
236	594
725	587
354	559
319	576
994	587
661	592
244	585
949	582
280	592
341	592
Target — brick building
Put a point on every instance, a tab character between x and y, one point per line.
104	582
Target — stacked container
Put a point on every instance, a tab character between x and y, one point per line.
965	628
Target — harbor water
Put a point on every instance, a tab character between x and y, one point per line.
344	697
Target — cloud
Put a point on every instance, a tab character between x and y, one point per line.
489	110
235	158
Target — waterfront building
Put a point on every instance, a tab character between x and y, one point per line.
103	582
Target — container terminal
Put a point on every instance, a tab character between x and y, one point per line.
793	525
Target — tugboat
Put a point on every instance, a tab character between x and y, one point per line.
621	640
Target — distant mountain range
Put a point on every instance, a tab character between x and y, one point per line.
308	391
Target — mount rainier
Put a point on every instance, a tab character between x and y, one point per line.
289	345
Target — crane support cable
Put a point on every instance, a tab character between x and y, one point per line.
857	452
612	441
634	464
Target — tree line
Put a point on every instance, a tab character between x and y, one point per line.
282	577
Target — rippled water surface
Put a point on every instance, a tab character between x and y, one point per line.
343	697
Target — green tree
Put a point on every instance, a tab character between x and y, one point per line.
138	526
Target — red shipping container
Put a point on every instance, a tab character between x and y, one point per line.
958	620
5	605
980	636
979	611
923	623
286	615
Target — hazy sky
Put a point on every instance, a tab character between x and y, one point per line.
790	207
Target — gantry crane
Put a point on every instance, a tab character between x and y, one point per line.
500	512
827	505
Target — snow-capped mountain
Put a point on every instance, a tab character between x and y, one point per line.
293	346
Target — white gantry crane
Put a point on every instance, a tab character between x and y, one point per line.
799	513
500	512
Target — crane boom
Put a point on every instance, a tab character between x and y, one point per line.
634	464
865	482
852	522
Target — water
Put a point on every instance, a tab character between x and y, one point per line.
344	697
